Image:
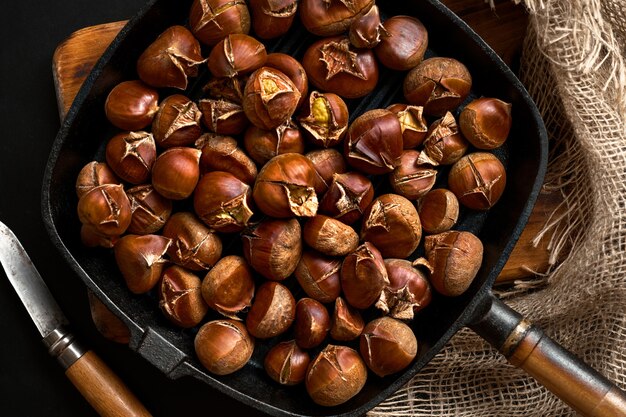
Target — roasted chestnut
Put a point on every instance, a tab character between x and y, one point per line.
331	17
223	346
222	116
444	144
150	210
346	323
438	210
228	287
272	18
213	20
180	298
324	119
319	276
106	322
311	324
411	179
286	363
327	162
387	346
478	180
131	156
177	123
235	55
365	30
412	122
106	208
273	311
226	88
363	276
262	145
131	105
221	153
141	260
486	122
330	236
293	69
347	197
92	175
408	291
176	171
403	44
194	246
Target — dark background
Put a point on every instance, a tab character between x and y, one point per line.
31	382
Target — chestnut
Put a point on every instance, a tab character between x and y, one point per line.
226	88
331	17
408	291
176	171
387	346
222	116
319	276
327	162
412	122
439	84
262	145
444	144
486	122
324	119
403	44
194	246
455	258
286	363
168	61
411	179
270	98
273	247
311	324
228	287
213	20
222	201
140	259
329	236
237	54
131	105
363	276
177	123
391	223
337	374
90	237
365	30
347	197
374	142
272	18
293	69
180	298
334	66
131	156
221	153
438	210
150	210
92	175
478	180
223	346
106	322
106	208
285	187
273	311
346	323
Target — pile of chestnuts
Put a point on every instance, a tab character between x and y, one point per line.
257	201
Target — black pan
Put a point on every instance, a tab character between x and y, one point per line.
82	139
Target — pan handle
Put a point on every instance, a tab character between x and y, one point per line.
568	377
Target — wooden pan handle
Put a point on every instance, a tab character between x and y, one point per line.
569	378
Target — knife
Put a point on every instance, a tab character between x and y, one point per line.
104	390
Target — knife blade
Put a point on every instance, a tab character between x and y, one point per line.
104	390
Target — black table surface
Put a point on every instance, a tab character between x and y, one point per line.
31	382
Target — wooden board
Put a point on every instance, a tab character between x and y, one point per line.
503	29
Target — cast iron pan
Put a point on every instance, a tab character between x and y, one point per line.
83	136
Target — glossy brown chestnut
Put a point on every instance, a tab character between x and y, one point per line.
438	210
319	276
486	122
286	363
228	287
285	187
180	298
176	171
444	144
331	17
334	66
403	44
327	162
312	323
411	179
374	142
194	246
213	20
131	156
92	175
262	145
292	68
438	84
347	197
272	18
222	116
106	208
221	153
478	180
365	30
324	119
141	260
346	323
177	123
223	346
150	210
391	223
412	122
273	247
222	202
131	105
226	88
171	59
273	311
337	374
387	346
330	236
455	258
408	291
90	237
270	98
106	322
235	55
363	276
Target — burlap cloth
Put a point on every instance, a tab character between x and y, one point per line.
573	66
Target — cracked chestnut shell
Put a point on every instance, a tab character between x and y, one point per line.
228	287
438	84
412	123
150	210
286	363
226	88
223	346
347	197
221	153
235	55
222	116
438	210
330	236
486	122
171	59
334	66
272	18
176	171
410	178
177	123
293	69
346	323
444	144
285	187
403	43
131	156
324	119
273	311
180	298
194	246
312	323
391	223
106	209
478	180
387	346
374	142
363	276
319	276
327	162
213	20
141	260
262	145
408	290
331	17
92	175
131	105
366	29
